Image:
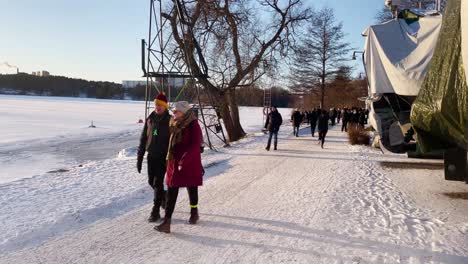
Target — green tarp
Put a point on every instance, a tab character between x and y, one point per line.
440	111
408	16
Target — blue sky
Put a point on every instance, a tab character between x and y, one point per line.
100	39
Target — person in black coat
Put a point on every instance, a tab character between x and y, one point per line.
333	116
273	124
155	140
354	119
362	118
345	116
323	126
296	120
338	116
313	121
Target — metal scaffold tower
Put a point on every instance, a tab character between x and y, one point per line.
164	63
267	90
266	102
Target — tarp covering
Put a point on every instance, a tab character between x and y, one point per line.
464	27
440	111
397	55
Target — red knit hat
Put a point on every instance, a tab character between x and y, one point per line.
161	100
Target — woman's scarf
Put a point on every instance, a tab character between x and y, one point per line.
177	127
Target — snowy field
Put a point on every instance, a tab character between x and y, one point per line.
300	204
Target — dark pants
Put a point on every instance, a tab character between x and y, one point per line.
312	128
344	127
322	135
172	194
275	135
296	131
156	172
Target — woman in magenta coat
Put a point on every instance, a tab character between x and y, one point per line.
184	167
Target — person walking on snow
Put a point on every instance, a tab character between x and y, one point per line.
338	116
333	116
296	120
184	166
273	123
346	117
323	126
362	118
155	140
313	121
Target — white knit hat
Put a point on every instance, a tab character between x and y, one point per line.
182	106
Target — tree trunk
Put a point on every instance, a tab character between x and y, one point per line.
322	99
229	111
227	120
238	131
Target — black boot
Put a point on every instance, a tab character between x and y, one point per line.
154	216
165	226
194	216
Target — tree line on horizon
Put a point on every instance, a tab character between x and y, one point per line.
26	84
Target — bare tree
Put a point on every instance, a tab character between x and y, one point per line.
319	54
385	14
236	36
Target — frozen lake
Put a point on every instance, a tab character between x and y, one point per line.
41	134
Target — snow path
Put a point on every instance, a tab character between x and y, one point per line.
300	204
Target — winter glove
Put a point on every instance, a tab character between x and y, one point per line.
139	163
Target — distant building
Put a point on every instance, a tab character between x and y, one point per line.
173	82
133	84
41	73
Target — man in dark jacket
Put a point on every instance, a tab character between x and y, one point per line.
354	118
346	117
323	126
338	116
155	140
313	121
273	123
333	116
362	118
296	120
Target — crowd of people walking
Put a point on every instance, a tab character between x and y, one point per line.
174	144
319	121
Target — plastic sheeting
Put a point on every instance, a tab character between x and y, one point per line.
464	27
397	55
440	111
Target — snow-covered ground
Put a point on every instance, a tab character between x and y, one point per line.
57	174
301	204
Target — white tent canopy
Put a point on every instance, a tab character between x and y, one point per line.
397	55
